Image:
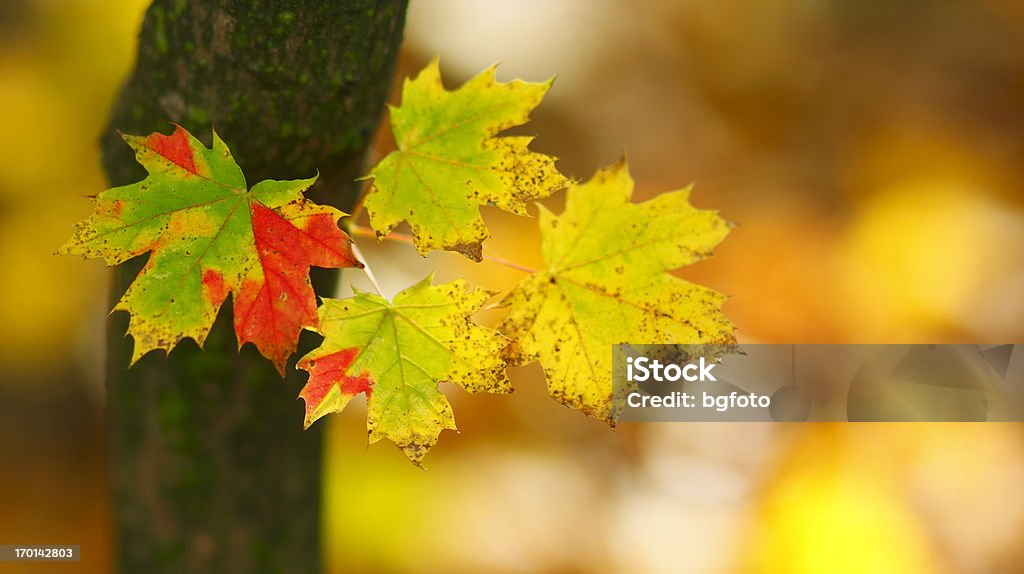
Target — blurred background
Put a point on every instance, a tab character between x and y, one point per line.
870	154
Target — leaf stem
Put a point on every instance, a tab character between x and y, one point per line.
362	231
366	269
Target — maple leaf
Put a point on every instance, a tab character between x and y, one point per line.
606	283
396	353
209	236
449	163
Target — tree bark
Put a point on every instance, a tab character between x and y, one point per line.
211	471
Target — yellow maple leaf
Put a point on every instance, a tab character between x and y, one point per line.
606	283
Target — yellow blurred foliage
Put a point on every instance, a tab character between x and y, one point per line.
921	259
833	513
900	498
59	76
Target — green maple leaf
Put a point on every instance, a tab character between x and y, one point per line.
449	162
209	236
396	353
606	283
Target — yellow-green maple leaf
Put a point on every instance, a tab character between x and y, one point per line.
396	353
449	162
606	283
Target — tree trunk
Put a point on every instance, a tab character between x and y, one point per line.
211	470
